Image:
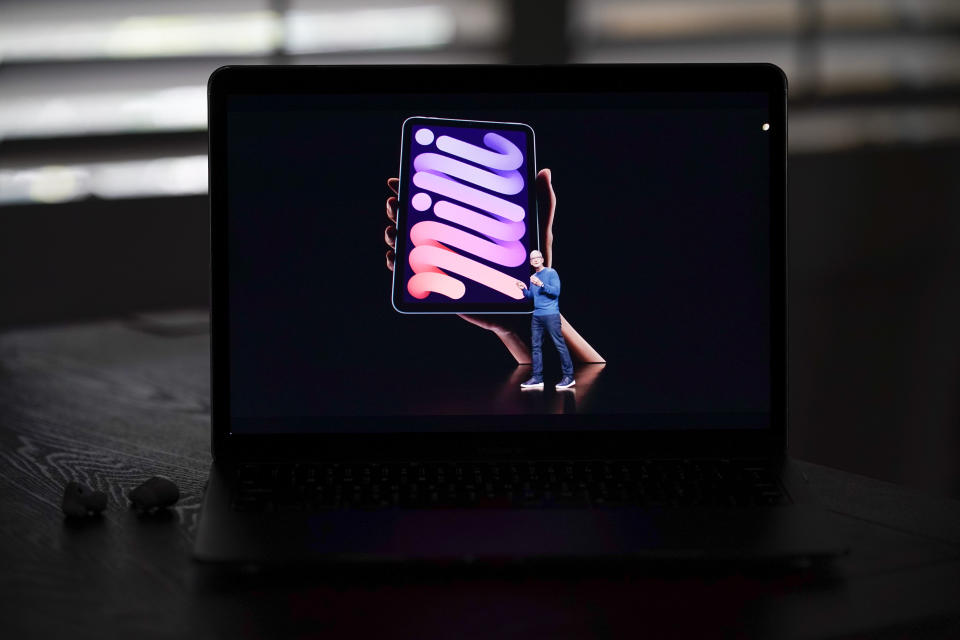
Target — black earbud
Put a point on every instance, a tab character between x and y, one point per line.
155	493
80	501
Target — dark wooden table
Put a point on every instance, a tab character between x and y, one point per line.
112	403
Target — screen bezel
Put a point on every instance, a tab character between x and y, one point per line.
524	306
585	439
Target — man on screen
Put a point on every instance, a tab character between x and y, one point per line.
545	291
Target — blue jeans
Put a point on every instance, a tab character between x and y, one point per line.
552	325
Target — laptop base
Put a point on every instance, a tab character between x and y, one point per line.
795	532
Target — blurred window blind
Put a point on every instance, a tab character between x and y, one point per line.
860	72
130	77
107	98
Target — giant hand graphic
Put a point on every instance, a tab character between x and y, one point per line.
509	328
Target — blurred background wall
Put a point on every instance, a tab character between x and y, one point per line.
103	208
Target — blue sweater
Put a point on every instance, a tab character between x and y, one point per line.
545	298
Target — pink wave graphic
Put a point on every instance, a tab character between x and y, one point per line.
509	254
427	260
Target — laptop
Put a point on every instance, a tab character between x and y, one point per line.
489	313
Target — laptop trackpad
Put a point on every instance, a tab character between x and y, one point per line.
513	534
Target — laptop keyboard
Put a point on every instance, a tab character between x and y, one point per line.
510	484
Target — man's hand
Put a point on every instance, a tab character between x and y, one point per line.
537	281
521	285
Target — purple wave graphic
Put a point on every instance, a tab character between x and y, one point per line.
505	156
507	182
486	225
468	195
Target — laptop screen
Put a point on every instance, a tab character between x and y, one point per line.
498	261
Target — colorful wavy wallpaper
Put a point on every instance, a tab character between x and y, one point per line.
467	213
